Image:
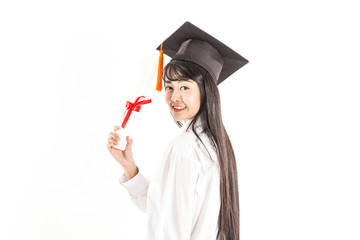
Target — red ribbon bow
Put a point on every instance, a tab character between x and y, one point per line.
136	106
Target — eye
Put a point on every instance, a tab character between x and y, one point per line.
167	88
184	88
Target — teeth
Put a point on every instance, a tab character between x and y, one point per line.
179	108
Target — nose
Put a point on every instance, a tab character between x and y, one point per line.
175	96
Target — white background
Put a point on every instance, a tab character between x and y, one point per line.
292	114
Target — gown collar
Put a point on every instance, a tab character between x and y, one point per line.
186	128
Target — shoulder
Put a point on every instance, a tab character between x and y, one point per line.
190	147
184	144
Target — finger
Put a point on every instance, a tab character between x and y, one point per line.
109	146
112	141
114	136
116	128
112	145
129	143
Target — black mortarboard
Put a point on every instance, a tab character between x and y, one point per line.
192	44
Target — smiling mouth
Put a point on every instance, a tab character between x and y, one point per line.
178	109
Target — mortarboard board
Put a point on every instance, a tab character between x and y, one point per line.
190	43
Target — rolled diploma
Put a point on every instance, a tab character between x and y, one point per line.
141	85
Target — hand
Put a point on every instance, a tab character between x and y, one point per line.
125	158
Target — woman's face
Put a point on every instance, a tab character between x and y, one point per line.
183	98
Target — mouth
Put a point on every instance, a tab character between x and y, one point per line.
178	108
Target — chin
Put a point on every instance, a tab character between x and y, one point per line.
178	119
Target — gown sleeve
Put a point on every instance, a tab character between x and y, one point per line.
178	203
137	188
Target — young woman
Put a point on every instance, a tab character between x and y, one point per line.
194	192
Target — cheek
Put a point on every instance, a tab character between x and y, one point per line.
167	98
193	100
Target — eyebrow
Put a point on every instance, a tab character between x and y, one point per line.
168	81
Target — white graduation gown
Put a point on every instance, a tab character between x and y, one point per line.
182	200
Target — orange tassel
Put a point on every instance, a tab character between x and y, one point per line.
160	69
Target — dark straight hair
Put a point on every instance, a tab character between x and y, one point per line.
209	115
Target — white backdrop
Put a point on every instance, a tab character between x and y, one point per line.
292	114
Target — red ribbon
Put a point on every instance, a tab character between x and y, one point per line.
136	106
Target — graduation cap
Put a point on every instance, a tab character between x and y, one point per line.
190	43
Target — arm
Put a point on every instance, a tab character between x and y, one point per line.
136	184
178	203
137	188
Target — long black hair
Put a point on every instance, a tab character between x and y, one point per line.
209	115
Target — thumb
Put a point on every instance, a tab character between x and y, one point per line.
129	142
